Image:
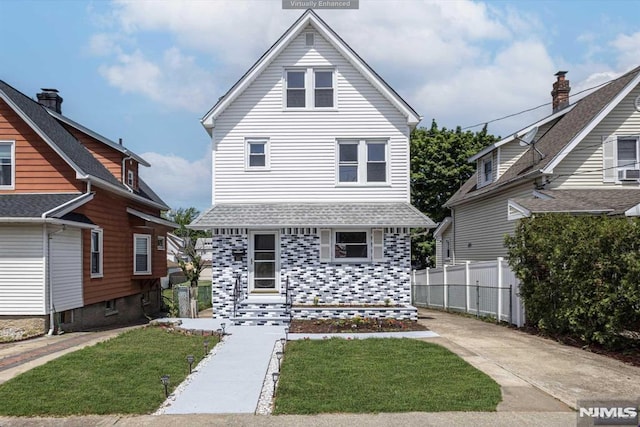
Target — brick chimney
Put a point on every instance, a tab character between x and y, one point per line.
560	92
50	99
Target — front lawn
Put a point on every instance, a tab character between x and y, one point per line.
379	375
119	376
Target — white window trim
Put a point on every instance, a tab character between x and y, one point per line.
100	251
161	244
362	162
147	237
247	153
482	181
634	166
334	232
309	88
131	177
13	164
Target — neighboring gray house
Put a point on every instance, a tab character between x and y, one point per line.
582	159
311	186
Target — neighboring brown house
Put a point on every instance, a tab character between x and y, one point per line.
82	243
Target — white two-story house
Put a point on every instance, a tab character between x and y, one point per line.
310	210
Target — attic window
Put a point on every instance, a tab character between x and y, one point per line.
309	39
130	178
485	170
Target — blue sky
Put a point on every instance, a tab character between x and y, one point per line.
148	71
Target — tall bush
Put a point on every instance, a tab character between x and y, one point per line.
580	275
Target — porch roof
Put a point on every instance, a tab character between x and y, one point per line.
593	201
275	215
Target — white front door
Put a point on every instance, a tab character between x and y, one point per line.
264	266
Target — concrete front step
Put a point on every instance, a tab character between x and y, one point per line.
262	321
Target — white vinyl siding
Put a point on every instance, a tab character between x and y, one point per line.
22	271
66	269
303	155
480	226
583	167
141	254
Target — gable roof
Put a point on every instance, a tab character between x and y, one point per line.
97	136
76	155
559	140
309	17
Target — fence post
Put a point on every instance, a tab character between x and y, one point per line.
477	298
467	282
511	305
499	264
426	275
445	289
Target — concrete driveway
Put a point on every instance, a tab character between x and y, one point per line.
532	369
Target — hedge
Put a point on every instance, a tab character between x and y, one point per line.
579	275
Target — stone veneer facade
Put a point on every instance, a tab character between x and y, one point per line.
371	283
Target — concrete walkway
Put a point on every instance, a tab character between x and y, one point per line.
231	381
530	368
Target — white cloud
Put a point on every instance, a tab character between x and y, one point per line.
179	182
175	80
628	50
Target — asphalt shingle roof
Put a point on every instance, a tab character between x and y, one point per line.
70	146
554	140
313	215
610	201
32	205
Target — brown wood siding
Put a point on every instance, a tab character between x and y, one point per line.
108	211
110	158
38	168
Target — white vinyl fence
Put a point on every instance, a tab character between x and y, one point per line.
487	288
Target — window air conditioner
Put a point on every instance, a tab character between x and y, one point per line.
629	174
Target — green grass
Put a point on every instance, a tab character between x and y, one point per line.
119	376
379	375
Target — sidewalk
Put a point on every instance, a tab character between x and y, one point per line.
526	364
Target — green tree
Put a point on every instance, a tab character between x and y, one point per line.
183	217
439	167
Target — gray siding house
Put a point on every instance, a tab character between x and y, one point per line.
310	210
584	158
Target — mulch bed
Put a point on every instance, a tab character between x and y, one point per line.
324	326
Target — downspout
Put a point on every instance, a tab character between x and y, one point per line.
48	285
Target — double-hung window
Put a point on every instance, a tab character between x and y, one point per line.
362	161
7	165
621	159
323	89
296	92
627	158
485	172
320	82
96	253
257	153
141	254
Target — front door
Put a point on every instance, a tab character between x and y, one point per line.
263	262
